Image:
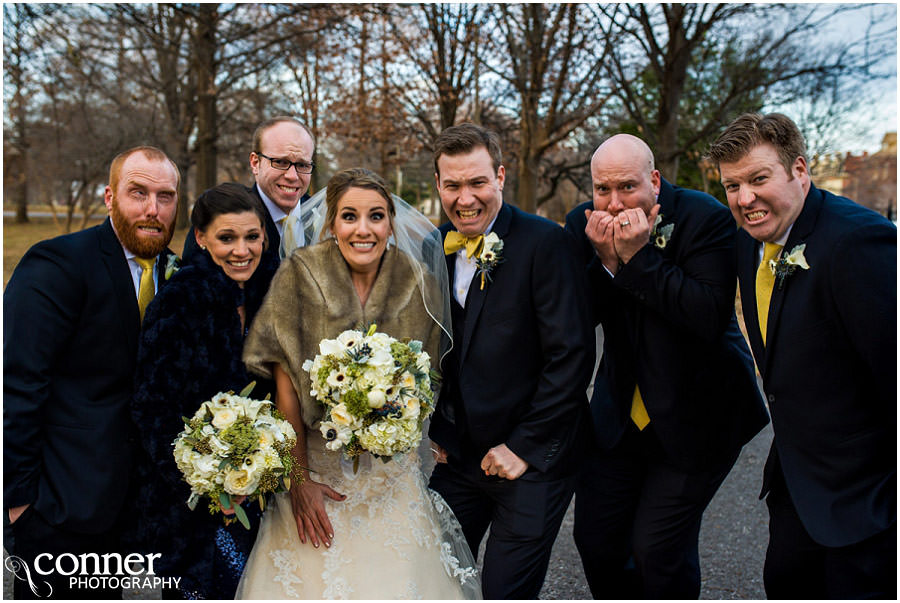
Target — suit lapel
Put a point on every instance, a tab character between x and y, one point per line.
800	231
120	276
477	295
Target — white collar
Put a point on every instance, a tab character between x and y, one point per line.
276	212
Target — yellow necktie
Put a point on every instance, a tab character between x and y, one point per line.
287	234
765	281
146	290
455	241
638	410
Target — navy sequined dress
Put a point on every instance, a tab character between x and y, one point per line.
190	349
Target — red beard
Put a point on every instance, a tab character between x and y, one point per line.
128	235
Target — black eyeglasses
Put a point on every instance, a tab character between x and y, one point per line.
303	167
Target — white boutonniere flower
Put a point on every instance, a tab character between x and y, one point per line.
173	265
660	235
490	256
788	263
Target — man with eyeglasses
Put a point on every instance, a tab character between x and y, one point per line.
281	161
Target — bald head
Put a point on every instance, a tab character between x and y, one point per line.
623	175
624	149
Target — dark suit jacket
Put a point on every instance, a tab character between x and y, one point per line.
272	237
830	368
522	364
69	344
669	326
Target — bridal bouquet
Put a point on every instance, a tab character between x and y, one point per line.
235	446
376	391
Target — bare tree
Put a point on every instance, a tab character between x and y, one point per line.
683	71
440	42
18	45
552	59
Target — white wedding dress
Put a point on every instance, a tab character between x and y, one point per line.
393	538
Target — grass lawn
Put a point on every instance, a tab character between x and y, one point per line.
17	238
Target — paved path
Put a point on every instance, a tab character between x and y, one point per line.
732	540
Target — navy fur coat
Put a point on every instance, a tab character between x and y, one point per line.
190	349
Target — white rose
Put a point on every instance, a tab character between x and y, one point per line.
265	438
223	418
376	398
381	359
330	347
206	464
183	456
491	239
240	482
342	417
199	482
268	458
411	408
407	380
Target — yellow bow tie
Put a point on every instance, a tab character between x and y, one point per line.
455	241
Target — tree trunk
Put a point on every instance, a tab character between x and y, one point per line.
204	40
182	213
527	161
526	182
19	112
22	190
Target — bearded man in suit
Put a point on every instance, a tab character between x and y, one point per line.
509	426
282	164
72	313
675	396
818	278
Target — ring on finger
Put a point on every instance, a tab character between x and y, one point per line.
624	223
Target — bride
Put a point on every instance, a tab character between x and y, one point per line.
379	532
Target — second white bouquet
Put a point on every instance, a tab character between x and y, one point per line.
235	447
376	391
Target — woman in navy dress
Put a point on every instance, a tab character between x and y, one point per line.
191	343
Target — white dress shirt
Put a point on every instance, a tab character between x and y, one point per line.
465	271
276	212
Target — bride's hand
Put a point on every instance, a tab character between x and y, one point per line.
307	501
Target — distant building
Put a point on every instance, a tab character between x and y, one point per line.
870	180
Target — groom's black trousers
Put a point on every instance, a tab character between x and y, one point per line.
524	516
637	519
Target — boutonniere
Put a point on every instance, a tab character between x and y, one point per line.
173	265
788	263
661	236
489	257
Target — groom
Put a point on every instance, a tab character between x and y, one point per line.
508	427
